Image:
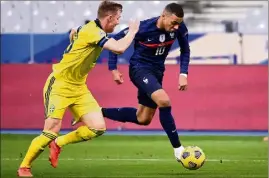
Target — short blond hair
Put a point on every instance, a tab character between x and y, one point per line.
107	7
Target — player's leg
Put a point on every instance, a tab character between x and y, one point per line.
123	114
38	144
156	96
150	82
145	114
54	109
141	116
147	108
167	121
87	110
94	126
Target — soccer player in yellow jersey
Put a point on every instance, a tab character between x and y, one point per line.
66	86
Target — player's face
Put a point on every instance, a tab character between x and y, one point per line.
171	22
113	21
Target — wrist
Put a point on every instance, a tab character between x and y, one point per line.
185	75
115	71
112	68
131	33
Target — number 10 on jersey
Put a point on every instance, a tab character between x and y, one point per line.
160	51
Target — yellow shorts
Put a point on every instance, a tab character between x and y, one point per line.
59	95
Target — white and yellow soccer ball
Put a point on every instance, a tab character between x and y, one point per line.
192	157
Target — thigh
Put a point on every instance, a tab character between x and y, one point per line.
145	100
84	104
53	125
147	83
94	120
161	98
55	104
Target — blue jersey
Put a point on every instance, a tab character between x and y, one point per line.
151	46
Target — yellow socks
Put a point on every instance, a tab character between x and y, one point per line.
39	143
37	147
83	133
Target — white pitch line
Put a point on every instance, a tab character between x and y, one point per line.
138	159
159	176
111	176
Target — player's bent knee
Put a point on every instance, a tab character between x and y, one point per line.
94	120
87	133
98	132
52	124
145	122
163	103
161	98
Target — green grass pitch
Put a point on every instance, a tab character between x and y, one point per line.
141	156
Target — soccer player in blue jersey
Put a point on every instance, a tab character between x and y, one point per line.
151	46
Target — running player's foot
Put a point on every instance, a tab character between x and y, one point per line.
178	152
55	151
24	172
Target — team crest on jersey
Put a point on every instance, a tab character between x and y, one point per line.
51	108
102	33
172	34
162	38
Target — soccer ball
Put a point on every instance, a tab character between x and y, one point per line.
192	157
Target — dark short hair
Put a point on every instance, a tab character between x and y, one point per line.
107	7
175	8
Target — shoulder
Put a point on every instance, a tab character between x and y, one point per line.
183	30
92	26
150	20
183	27
147	24
93	29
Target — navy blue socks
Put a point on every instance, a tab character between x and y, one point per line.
121	114
168	124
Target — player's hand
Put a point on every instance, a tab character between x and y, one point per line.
182	83
72	35
134	26
117	77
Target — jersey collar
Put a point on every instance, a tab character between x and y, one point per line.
97	21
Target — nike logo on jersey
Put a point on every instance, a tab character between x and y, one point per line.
145	80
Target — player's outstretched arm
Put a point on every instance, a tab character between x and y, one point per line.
113	59
183	41
119	46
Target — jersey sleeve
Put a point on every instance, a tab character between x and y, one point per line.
97	36
121	34
183	41
113	58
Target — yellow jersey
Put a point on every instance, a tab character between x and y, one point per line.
81	54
